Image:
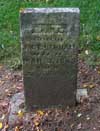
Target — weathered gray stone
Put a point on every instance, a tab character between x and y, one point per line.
49	51
81	95
16	104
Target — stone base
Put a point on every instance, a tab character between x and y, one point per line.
16	103
81	95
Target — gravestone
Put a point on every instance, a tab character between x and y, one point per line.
49	42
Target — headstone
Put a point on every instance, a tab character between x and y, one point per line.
49	39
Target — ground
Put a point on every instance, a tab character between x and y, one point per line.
82	117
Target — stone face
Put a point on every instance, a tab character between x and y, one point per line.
49	51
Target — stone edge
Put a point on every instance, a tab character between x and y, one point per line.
49	10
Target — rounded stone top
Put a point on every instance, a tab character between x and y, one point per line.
50	10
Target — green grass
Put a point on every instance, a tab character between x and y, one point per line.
9	26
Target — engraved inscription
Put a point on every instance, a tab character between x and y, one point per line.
47	50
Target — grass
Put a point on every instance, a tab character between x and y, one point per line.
9	26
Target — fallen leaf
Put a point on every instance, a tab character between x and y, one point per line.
20	113
6	77
37	129
94	128
79	114
91	86
4	104
79	126
16	128
40	112
3	116
36	123
71	126
88	118
98	72
19	87
1	125
1	66
85	85
1	82
6	90
6	127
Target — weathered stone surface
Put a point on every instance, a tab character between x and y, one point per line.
16	104
49	51
81	95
